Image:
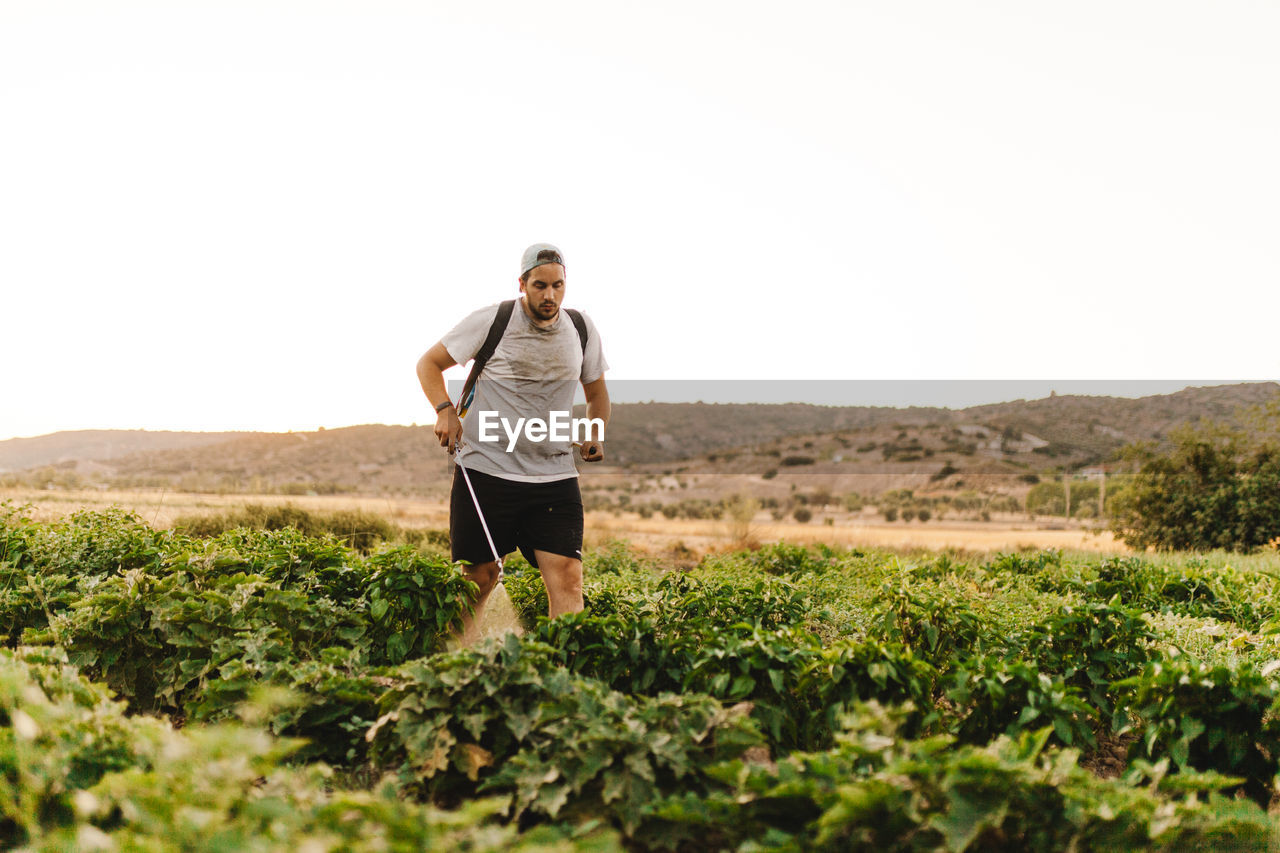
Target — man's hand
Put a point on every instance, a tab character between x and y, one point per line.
431	368
597	407
449	429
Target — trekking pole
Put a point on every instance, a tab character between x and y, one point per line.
479	512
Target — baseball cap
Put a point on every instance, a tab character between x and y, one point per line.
539	254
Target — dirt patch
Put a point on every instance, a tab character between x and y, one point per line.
1111	755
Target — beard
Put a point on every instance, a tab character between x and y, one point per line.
544	311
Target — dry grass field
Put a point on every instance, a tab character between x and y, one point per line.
653	534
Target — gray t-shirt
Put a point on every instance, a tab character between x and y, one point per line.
532	373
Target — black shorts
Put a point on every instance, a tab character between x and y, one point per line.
529	516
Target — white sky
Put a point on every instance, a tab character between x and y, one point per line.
257	215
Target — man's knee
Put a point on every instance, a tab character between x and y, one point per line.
561	572
571	579
483	575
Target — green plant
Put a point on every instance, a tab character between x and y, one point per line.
1208	718
356	529
1089	646
414	603
781	558
1217	487
877	791
1024	564
994	696
849	672
504	718
936	626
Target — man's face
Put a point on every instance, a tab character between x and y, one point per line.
544	290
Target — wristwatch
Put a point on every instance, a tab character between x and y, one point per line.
446	404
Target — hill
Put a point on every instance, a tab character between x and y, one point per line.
58	448
865	449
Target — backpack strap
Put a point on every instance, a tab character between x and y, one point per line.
496	330
490	344
580	324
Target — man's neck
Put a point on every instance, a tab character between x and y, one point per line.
534	318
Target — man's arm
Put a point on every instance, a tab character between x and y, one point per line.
597	407
431	368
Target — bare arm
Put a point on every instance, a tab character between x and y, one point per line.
431	368
597	407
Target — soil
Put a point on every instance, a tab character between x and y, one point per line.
1110	757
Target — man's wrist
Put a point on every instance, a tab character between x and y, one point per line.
446	404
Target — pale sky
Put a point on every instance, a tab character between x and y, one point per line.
257	215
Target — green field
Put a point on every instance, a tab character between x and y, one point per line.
267	690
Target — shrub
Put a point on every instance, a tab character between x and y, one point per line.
1092	645
414	603
1208	718
879	791
1024	564
995	696
355	528
503	718
932	625
1217	487
943	473
781	558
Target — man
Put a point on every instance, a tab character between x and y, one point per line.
527	486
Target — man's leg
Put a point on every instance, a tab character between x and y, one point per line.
485	576
468	541
562	577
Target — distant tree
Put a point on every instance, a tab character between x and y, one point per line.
1217	487
944	472
802	514
739	512
923	513
1047	498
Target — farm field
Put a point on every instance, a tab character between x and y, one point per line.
264	690
655	534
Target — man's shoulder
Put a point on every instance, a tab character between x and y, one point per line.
483	318
486	311
586	318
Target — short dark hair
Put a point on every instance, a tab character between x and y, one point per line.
546	256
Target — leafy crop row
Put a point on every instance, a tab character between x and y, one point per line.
788	698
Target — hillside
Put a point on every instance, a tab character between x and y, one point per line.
56	448
1001	447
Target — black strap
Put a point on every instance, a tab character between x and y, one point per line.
581	325
490	344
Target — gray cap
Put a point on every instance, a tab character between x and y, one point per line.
539	254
